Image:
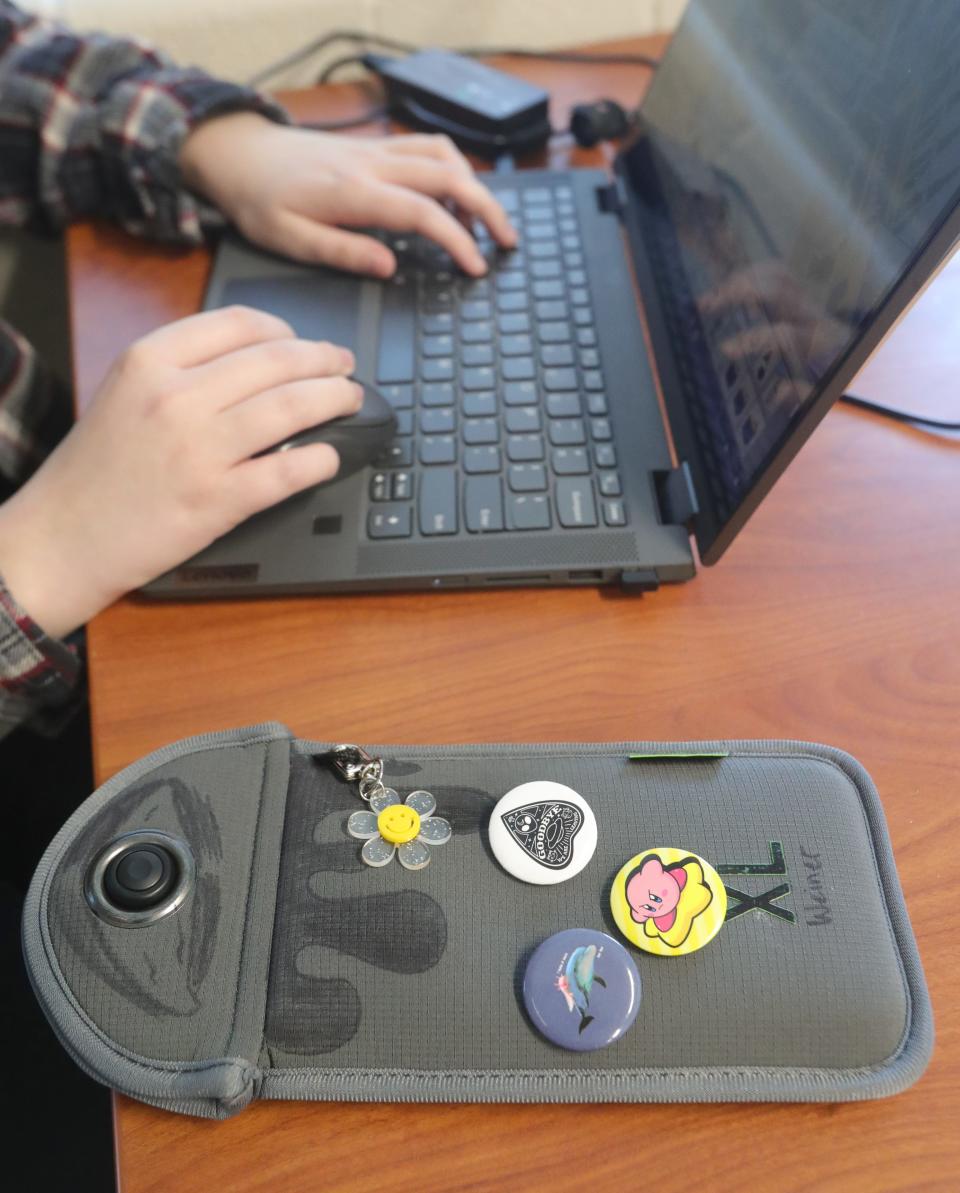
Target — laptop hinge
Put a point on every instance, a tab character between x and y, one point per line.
676	496
612	197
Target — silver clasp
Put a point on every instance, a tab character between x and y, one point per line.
355	765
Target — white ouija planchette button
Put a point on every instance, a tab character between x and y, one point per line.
543	832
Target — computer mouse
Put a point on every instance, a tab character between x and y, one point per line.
359	438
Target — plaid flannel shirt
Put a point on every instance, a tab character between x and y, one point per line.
89	126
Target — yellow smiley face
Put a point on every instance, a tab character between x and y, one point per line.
398	824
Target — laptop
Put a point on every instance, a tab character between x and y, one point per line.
639	372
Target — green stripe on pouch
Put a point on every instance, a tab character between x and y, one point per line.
680	754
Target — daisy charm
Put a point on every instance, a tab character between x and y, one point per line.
405	829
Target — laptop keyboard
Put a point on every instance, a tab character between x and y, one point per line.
497	385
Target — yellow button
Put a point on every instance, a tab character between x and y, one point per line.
398	824
668	901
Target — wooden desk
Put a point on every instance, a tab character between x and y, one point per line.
833	618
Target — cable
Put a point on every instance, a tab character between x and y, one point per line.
333	126
359	37
903	416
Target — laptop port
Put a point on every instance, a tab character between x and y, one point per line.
592	575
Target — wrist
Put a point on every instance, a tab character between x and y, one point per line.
210	148
56	593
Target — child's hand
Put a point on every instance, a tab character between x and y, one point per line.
288	189
161	463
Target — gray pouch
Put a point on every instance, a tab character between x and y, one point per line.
283	967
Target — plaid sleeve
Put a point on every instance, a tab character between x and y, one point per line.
39	676
92	126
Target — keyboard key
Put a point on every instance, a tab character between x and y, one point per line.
481	459
567	224
600	429
592	379
509	199
523	449
614	513
483	504
539	250
398	454
481	430
400	397
437	324
567	432
510	324
395	358
476	354
545	269
546	289
518	368
511	281
556	354
477	378
527	478
437	420
540	230
597	403
553	333
570	461
563	405
541	211
529	511
575	504
401	488
560	378
518	345
380	486
480	332
522	420
589	358
432	301
609	483
436	369
536	194
473	288
572	260
438	394
580	296
437	506
389	522
512	300
583	316
438	449
476	309
586	337
480	404
576	277
404	422
519	393
605	455
571	241
550	310
436	345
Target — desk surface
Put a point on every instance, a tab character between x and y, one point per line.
833	618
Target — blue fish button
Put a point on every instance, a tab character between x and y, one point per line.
581	989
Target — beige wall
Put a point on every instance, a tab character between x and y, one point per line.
235	38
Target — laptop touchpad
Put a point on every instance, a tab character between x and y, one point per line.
319	307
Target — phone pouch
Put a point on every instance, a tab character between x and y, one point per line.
282	966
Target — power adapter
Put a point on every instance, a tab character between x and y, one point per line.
482	109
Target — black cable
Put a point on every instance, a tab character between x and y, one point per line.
903	416
333	126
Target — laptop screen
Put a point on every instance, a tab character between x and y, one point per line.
795	159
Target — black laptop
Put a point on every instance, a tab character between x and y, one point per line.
647	362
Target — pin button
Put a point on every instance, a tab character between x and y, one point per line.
581	989
668	901
543	832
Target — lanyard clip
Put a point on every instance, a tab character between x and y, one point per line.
354	764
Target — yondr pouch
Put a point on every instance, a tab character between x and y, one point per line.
286	968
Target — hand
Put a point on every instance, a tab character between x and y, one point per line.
165	459
289	189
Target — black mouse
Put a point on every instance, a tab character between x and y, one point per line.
359	438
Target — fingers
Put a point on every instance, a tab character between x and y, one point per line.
321	244
403	210
442	181
256	484
250	371
439	147
277	414
209	335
